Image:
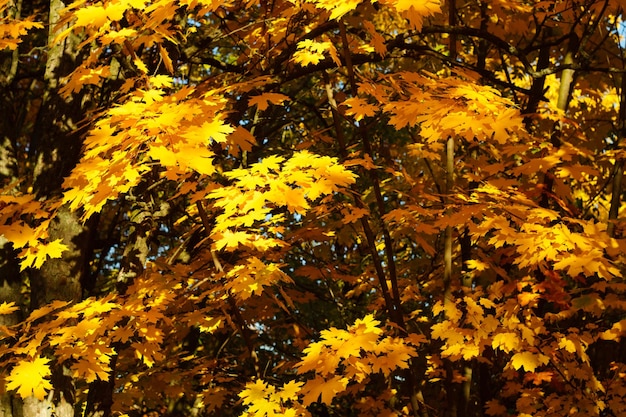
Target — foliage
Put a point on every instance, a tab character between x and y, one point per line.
316	207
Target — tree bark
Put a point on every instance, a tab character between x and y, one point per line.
54	144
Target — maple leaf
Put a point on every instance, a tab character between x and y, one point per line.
122	334
250	278
395	354
538	378
290	390
506	341
209	324
353	214
359	108
28	378
337	8
90	370
256	391
477	265
377	40
216	130
8	308
19	234
615	332
232	240
312	52
118	36
94	15
148	352
495	408
264	399
263	101
569	344
35	256
528	360
324	389
240	138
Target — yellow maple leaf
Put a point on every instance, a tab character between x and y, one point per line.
477	265
28	378
166	157
505	341
19	234
425	8
264	399
395	355
568	344
528	360
360	108
290	390
327	389
295	200
140	65
35	256
232	240
337	8
118	36
216	129
8	308
91	16
615	332
311	52
148	352
256	391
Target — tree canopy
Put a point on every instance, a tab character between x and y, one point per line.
312	208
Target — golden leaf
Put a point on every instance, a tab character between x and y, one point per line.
35	256
326	388
8	308
528	360
505	341
359	108
28	378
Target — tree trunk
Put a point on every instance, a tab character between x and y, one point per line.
48	131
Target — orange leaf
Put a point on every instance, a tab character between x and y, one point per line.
264	100
327	389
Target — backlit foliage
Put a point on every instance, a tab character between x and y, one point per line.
346	207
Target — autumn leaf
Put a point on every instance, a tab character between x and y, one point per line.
263	399
506	341
529	361
209	151
538	378
89	369
359	108
35	256
262	101
28	378
337	8
495	408
323	389
8	308
94	15
312	52
353	214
